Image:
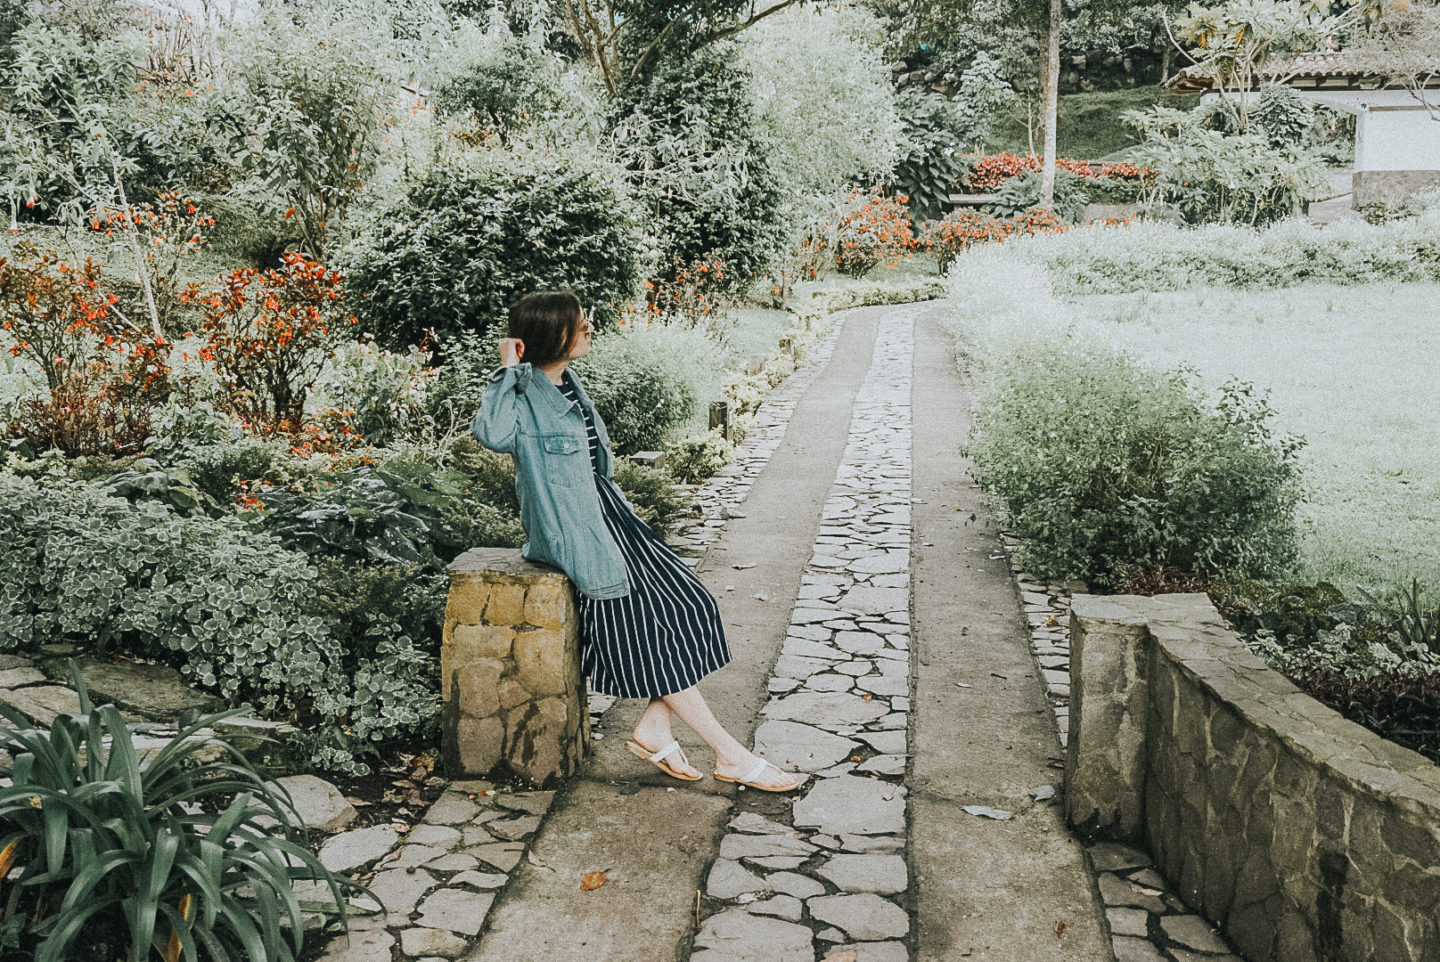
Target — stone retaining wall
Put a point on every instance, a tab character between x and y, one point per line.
1304	836
510	679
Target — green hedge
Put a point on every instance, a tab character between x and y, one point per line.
1163	257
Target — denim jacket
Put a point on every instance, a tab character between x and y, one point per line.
524	415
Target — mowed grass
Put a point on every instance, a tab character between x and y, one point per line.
1353	371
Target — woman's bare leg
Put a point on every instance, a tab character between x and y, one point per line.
732	759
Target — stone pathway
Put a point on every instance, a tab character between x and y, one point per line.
816	874
438	880
823	872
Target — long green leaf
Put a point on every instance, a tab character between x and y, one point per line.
153	879
53	949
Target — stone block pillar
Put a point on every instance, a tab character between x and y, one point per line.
1109	701
510	679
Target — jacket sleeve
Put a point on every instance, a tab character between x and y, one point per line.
498	419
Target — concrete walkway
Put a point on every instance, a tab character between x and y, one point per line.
881	647
846	862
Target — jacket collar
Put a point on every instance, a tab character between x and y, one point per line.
546	392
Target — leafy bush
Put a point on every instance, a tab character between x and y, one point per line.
497	80
1104	467
658	502
118	856
470	240
1377	661
401	513
489	476
647	382
688	133
930	167
1023	193
695	459
380	395
959	229
1163	257
225	605
874	232
316	99
1208	176
268	334
823	96
102	376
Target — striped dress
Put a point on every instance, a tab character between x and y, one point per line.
666	634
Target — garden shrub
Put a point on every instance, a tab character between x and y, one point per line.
102	377
657	501
1022	193
959	229
875	231
228	606
111	847
696	459
934	134
1104	467
402	512
1163	257
688	132
1375	661
499	81
648	382
380	395
475	235
1209	176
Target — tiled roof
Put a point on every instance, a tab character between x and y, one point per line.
1306	66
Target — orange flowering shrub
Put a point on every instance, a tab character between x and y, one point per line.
875	232
268	333
697	291
992	170
166	232
948	236
102	375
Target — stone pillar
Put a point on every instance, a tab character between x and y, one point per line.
510	679
1109	701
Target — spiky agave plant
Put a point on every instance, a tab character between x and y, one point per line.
106	856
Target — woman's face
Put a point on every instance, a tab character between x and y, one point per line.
581	347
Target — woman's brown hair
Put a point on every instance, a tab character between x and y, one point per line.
548	322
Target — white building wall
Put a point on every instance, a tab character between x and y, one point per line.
1399	140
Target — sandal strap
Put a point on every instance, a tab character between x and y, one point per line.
757	771
665	752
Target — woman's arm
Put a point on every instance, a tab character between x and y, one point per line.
498	419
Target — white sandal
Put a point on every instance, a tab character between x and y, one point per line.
751	776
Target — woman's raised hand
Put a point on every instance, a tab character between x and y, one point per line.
512	349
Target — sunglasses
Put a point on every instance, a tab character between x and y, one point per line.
588	316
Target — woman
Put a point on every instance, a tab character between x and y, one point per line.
648	627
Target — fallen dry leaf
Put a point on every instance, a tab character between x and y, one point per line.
592	881
840	955
867	696
1059	929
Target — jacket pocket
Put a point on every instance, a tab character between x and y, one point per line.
564	456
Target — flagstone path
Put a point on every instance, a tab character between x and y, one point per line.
882	649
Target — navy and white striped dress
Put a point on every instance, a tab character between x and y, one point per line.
666	634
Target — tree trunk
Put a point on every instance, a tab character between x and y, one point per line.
1052	107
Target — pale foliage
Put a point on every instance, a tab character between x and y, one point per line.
823	95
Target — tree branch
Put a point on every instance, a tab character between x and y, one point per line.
754	19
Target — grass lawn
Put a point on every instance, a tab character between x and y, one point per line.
1089	125
1351	369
